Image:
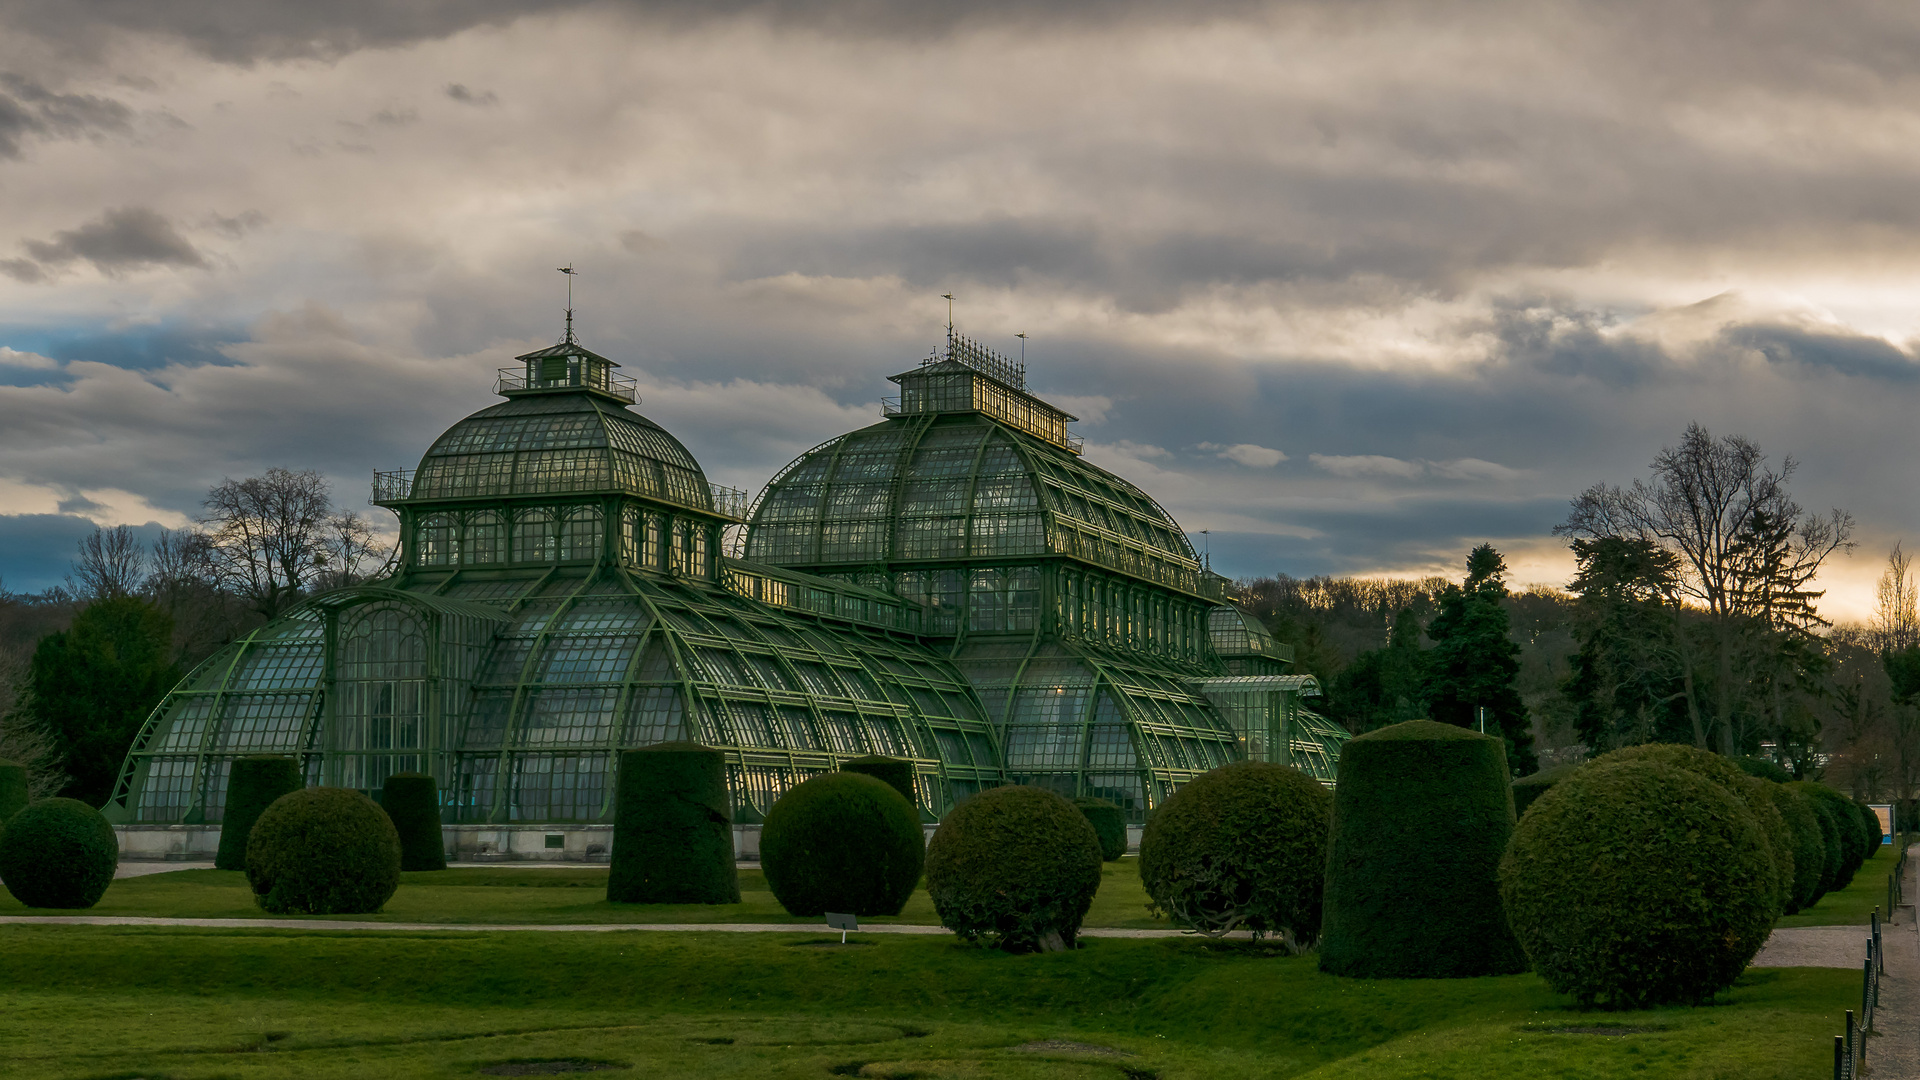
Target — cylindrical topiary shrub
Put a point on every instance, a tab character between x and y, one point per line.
323	851
1528	788
1635	884
1740	785
58	853
1421	815
1243	847
1846	829
1809	848
13	789
412	801
253	783
1109	824
1016	867
1830	842
672	833
897	773
844	842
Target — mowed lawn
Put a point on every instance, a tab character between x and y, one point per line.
82	1002
93	1003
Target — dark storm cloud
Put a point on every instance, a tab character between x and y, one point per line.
29	110
1846	353
122	239
40	548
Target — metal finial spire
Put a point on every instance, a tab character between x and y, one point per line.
948	297
1023	351
570	272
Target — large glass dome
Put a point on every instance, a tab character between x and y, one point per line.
961	486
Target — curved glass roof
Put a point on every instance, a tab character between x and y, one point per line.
960	486
557	444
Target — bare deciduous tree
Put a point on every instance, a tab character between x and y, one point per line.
274	538
1748	551
1896	612
111	564
22	739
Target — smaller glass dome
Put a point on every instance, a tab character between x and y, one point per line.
556	444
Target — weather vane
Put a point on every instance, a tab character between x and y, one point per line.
948	297
1023	350
570	272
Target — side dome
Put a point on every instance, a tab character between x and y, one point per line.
961	487
557	444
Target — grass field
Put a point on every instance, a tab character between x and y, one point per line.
95	1003
107	1002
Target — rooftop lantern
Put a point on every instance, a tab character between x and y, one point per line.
567	366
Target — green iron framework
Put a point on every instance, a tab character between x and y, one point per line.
955	586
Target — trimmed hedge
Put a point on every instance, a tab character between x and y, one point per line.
1015	865
1846	828
1809	844
323	851
1528	788
253	783
412	801
895	772
13	789
1241	847
842	841
1830	844
1723	771
1421	815
58	853
672	833
1109	824
1633	884
1764	769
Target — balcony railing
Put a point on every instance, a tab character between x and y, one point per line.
603	380
729	502
391	487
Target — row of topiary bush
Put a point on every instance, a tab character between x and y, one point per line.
304	850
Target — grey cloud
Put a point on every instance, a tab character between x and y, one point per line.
238	225
1840	351
460	93
396	117
28	109
121	239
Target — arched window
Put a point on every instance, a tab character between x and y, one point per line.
382	705
437	540
580	536
486	538
534	537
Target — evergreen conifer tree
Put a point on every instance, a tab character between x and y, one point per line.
93	685
1474	662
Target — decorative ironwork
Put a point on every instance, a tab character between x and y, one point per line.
610	383
391	486
964	350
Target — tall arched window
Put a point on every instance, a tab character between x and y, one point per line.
580	536
534	538
380	720
437	542
486	538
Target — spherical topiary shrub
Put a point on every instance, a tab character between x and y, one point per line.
896	772
672	833
1017	866
843	842
1809	848
412	800
58	853
253	783
1109	824
1846	830
1421	815
1528	788
13	789
1243	847
1635	884
1764	769
1830	843
323	851
1741	786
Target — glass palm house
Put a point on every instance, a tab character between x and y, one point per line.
954	585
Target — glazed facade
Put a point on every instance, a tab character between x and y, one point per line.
953	585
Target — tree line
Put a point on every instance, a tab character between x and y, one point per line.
1692	618
84	663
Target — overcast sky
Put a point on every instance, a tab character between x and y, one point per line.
1355	286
